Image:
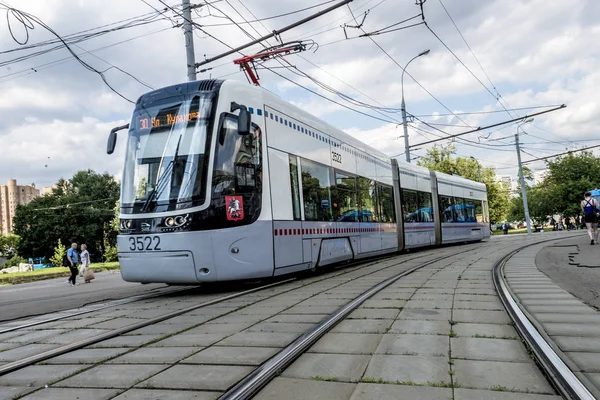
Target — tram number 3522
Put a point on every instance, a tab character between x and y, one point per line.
144	243
336	157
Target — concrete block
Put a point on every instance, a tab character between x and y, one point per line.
363	326
488	349
578	344
185	340
480	316
155	355
74	336
474	394
485	330
478	305
425	314
523	377
197	377
52	393
232	355
27	350
36	336
340	367
145	394
432	345
86	356
218	328
374	313
371	391
347	343
588	361
566	329
281	327
297	318
409	369
38	375
383	304
421	327
127	341
301	389
260	339
10	393
111	376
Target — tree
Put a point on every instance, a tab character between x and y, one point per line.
443	159
79	210
540	207
8	245
568	178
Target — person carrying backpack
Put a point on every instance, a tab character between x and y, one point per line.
590	210
71	259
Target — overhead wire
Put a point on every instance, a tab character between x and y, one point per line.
28	20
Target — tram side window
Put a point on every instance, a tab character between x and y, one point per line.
470	210
295	186
367	200
410	206
446	209
315	190
386	201
425	207
478	211
344	198
459	210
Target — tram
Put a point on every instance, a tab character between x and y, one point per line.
225	181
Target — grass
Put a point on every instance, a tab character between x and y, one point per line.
49	273
323	378
442	384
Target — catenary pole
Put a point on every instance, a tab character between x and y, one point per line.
523	188
189	40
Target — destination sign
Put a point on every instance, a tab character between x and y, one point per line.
166	120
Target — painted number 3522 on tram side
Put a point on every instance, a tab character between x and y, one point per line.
225	181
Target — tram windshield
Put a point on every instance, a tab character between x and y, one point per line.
165	166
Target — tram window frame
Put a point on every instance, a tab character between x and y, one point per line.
459	214
473	217
479	210
343	189
295	188
367	189
410	206
425	204
320	214
387	210
446	202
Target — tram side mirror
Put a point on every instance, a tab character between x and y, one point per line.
112	142
244	119
112	138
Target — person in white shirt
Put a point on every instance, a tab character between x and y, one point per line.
85	260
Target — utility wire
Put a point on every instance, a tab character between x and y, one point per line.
29	21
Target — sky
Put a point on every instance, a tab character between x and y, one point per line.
506	58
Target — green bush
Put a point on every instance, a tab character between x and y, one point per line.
59	251
13	261
110	254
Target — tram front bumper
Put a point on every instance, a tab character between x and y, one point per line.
164	267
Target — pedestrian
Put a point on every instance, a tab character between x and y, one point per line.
590	208
568	223
85	261
73	259
505	227
560	223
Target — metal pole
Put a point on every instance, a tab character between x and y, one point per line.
404	125
478	172
523	188
189	40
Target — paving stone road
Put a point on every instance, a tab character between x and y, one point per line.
439	333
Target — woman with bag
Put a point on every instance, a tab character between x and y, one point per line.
85	270
590	210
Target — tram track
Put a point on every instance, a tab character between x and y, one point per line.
353	267
561	376
566	382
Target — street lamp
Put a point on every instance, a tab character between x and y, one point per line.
424	53
478	168
522	178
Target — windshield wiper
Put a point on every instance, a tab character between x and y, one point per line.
162	181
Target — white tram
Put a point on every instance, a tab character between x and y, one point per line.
226	181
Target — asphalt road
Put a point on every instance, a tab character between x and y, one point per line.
42	297
581	282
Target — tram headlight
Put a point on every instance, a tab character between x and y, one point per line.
125	224
176	222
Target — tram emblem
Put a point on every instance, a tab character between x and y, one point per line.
235	208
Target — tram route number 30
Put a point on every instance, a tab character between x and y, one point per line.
336	157
144	243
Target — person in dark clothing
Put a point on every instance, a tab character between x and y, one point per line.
73	258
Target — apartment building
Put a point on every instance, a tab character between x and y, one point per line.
10	196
